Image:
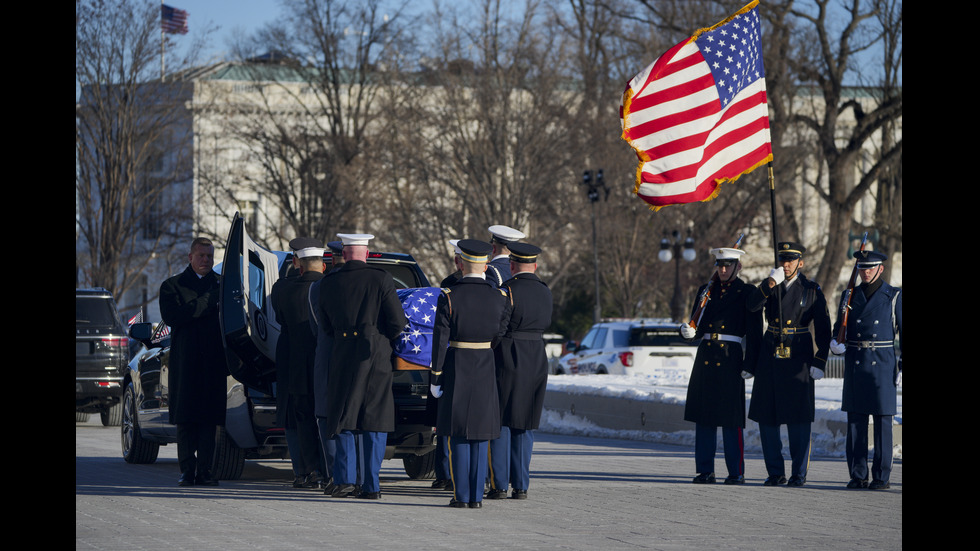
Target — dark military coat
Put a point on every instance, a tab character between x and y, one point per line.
869	373
197	373
297	342
471	312
783	389
521	361
716	391
362	310
498	271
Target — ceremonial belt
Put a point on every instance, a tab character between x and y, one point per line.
721	337
524	335
871	344
789	330
470	345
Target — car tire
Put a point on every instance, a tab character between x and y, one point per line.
112	416
602	370
135	449
229	459
420	467
81	417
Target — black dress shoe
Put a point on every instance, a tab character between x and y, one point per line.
475	504
519	494
343	490
774	481
369	495
440	484
796	481
735	479
497	494
186	479
298	481
879	485
457	504
449	486
857	484
704	478
329	488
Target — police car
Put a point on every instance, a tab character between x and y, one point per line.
629	347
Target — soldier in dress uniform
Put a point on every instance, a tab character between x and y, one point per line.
296	350
787	366
362	310
872	370
324	347
470	317
498	270
522	374
729	340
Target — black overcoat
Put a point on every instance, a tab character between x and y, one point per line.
197	377
521	361
297	342
362	311
716	391
782	392
869	373
472	311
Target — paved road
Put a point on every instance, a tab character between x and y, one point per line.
586	493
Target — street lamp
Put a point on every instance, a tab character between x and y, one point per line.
592	190
674	250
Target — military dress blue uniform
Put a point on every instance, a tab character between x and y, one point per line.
729	336
783	391
498	269
470	317
871	367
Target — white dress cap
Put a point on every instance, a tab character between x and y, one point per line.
505	234
726	253
351	239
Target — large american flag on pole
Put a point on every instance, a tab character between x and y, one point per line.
173	20
697	116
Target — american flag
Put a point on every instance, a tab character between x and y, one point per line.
138	318
415	343
173	20
163	331
697	116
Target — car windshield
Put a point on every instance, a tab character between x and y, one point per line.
648	336
94	311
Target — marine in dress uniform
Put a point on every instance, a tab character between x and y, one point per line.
872	370
470	317
296	350
362	310
522	374
787	366
729	336
198	376
498	269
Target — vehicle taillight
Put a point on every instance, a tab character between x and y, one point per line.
116	342
626	358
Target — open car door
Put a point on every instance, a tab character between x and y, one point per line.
248	322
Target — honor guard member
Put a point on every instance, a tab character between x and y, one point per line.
324	346
198	376
729	336
522	374
787	366
872	370
296	349
454	277
362	310
498	270
470	316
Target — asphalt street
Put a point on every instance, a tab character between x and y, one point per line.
586	493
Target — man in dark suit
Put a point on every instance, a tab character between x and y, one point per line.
470	316
362	310
298	345
522	374
198	375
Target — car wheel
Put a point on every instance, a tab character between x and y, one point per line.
135	448
602	370
229	459
112	416
420	467
81	417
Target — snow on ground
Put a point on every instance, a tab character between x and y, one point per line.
670	387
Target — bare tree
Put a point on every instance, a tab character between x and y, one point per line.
132	194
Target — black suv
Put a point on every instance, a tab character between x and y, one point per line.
250	333
101	355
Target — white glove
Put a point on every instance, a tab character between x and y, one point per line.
747	375
816	373
777	275
687	331
898	379
836	347
436	390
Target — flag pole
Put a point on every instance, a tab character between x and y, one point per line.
781	351
161	40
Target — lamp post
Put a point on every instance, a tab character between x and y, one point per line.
675	250
592	190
